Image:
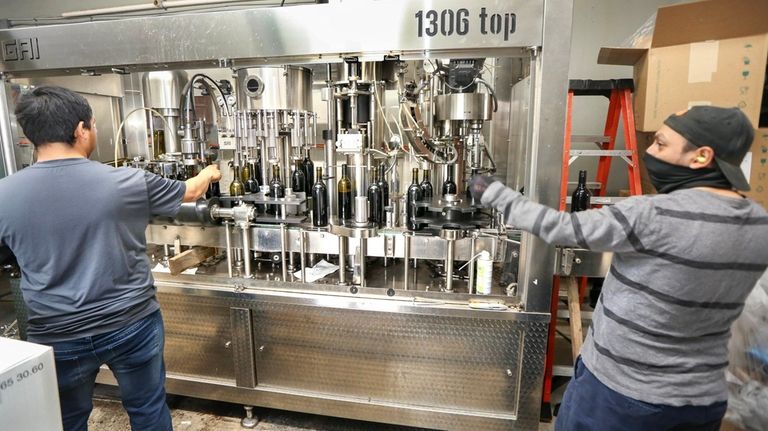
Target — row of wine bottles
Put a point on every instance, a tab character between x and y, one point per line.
377	193
246	181
422	191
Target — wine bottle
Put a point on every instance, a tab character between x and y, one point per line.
469	192
256	168
449	186
214	190
252	183
158	143
319	201
383	185
375	202
309	172
426	186
580	199
413	196
245	175
276	188
345	195
236	188
298	180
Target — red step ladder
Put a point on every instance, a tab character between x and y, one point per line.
619	92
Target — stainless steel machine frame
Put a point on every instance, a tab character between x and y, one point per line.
418	358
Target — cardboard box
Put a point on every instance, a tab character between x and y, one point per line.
704	53
29	394
756	166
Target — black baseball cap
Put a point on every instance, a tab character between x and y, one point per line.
726	130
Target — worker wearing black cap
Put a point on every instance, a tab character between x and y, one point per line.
684	261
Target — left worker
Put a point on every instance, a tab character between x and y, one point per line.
77	229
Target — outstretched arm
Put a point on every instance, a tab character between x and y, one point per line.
611	228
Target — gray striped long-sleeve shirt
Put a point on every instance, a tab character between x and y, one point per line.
683	265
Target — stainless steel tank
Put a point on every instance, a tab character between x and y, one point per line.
464	106
274	87
162	92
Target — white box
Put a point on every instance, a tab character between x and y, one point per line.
29	394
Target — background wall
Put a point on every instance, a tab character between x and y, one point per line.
598	23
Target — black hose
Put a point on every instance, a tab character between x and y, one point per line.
188	92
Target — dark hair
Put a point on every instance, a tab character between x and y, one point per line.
51	114
689	146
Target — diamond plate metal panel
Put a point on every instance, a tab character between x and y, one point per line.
196	332
446	362
19	307
427	370
242	344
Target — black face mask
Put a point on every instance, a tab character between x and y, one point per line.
667	177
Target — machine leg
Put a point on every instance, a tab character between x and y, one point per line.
250	420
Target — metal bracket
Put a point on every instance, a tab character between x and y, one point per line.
389	246
567	259
576	262
226	63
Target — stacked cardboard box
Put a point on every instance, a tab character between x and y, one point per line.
703	53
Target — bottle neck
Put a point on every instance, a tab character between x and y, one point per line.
415	176
450	174
319	174
343	170
583	179
426	175
276	172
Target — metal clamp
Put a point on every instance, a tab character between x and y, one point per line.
567	258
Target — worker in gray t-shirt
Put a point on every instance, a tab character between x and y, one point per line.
684	262
77	230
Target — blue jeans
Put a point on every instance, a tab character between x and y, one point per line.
590	405
134	353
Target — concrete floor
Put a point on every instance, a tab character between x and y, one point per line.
191	414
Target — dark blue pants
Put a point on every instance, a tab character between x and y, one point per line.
135	356
590	405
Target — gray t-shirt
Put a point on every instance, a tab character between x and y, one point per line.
77	229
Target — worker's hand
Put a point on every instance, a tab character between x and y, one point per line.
478	184
212	172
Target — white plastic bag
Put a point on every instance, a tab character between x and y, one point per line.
748	362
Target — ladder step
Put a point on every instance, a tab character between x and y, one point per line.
590	184
590	138
602	87
602	200
601	153
565	314
562	370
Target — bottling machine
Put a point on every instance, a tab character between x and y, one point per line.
353	290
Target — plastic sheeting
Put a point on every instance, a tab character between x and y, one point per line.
748	363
